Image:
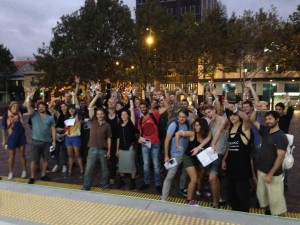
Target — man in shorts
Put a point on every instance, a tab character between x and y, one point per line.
43	136
270	190
219	130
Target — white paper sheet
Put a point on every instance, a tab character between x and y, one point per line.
146	142
70	122
207	156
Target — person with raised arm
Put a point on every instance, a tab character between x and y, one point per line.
236	161
99	145
43	136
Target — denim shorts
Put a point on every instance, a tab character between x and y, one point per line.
73	141
215	166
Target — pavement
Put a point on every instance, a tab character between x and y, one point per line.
34	204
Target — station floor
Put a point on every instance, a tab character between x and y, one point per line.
59	203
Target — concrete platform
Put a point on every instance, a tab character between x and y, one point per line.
36	204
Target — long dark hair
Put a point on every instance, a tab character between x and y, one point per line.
204	128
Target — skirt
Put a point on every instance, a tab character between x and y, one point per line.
127	161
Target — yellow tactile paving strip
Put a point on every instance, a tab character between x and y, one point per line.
51	210
294	215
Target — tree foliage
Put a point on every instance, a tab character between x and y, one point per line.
7	66
87	43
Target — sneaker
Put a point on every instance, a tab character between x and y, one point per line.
45	178
55	169
144	187
121	182
191	202
68	174
132	185
64	169
10	176
111	181
81	175
183	192
158	189
222	202
31	181
85	189
206	193
24	174
267	212
214	206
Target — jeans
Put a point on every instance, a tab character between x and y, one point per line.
61	154
154	151
170	176
94	156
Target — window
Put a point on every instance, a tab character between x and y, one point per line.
293	87
268	91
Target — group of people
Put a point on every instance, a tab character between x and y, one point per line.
128	134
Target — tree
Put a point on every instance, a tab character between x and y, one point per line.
150	60
87	43
7	66
253	41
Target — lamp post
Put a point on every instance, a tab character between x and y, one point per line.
149	42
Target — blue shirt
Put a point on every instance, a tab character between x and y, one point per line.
183	141
41	127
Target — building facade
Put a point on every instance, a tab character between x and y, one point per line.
177	8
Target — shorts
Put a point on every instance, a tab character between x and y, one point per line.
190	161
215	166
73	141
39	149
272	194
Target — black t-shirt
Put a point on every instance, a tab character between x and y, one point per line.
268	152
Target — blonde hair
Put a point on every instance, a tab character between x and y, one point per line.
12	103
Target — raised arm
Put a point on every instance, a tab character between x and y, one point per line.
222	128
165	108
249	85
91	107
29	108
253	120
132	115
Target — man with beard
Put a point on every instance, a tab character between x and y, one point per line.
43	134
270	190
149	130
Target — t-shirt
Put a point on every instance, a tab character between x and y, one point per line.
149	128
99	134
41	127
268	152
183	141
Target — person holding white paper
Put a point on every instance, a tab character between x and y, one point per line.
73	141
199	138
237	161
171	149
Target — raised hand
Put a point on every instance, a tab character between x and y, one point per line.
76	79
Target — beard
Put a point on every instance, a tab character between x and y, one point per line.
271	125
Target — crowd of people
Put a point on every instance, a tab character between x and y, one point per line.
130	135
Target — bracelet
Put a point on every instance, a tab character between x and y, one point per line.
236	109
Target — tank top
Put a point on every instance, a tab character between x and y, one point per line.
193	144
222	142
238	158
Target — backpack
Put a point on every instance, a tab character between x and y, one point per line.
141	121
177	125
288	161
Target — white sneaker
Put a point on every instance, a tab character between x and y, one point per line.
24	174
64	169
55	169
10	176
